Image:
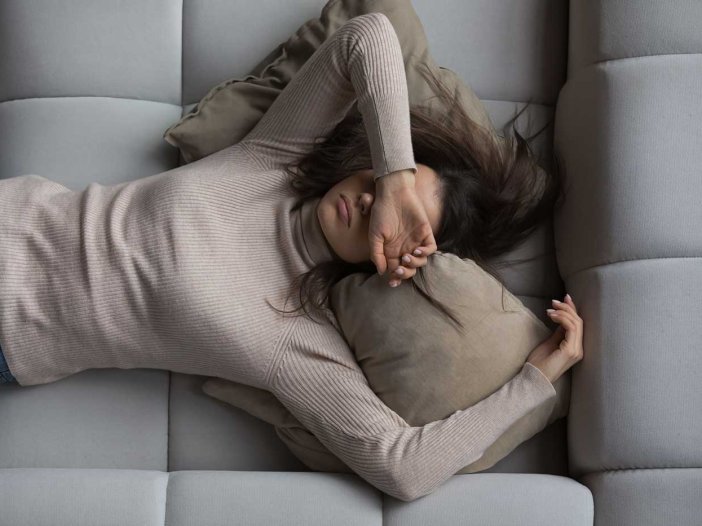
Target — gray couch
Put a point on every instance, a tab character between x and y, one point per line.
87	89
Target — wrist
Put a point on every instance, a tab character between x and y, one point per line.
394	180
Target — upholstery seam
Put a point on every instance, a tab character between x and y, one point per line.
182	106
165	501
168	423
641	57
617	470
610	263
170	373
85	96
182	28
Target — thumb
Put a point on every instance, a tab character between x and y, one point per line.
378	255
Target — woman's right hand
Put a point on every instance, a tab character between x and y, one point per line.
555	355
399	225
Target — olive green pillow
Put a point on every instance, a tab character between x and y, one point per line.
232	108
420	364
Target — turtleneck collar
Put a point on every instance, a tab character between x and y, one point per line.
310	235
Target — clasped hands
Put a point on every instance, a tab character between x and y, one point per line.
400	235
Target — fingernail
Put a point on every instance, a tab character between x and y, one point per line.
417	252
394	283
406	258
400	271
550	311
568	297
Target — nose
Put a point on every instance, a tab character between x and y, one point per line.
366	203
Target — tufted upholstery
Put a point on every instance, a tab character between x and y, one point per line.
629	238
87	89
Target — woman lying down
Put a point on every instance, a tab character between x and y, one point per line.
187	270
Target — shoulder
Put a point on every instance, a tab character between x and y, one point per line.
313	343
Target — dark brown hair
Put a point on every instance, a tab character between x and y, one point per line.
494	194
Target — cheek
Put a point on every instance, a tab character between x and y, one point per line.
361	241
352	244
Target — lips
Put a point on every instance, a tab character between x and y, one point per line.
344	207
349	209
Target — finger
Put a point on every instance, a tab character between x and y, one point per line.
571	331
377	255
561	315
570	302
564	318
393	276
424	251
404	273
562	306
428	245
392	265
410	261
565	307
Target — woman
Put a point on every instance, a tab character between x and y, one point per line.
177	271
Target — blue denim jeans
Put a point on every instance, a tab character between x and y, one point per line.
5	374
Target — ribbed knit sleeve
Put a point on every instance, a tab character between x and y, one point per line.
361	61
319	381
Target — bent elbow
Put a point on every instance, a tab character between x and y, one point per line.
405	497
409	494
405	486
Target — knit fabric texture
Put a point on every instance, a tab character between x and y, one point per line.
173	271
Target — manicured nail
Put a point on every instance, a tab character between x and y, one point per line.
568	297
417	252
400	271
555	301
406	258
394	283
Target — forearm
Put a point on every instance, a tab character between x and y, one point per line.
361	61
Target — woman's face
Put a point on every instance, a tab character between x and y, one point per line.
351	243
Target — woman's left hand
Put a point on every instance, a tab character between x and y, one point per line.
399	225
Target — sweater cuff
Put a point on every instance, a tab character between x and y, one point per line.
527	390
540	379
387	124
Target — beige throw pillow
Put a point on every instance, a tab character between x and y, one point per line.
421	364
232	108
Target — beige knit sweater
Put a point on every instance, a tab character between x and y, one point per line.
172	271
